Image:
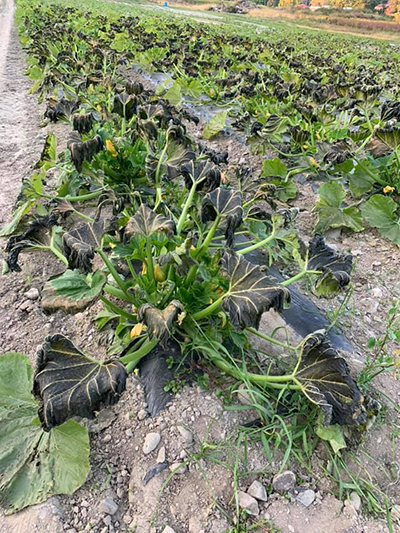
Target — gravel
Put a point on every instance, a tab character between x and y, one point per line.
151	441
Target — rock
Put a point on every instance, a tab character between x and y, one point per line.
284	482
395	513
129	433
349	510
248	503
186	434
32	294
161	455
355	501
25	306
356	253
103	420
243	395
108	506
151	442
257	490
142	414
107	520
127	519
168	529
107	438
291	528
377	292
306	497
179	467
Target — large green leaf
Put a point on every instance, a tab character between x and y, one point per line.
146	222
159	322
324	377
34	464
216	124
274	167
335	267
382	213
80	244
361	180
226	204
174	94
390	136
330	212
17	217
71	384
72	291
251	292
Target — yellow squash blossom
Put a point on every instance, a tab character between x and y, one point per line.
388	189
136	330
111	148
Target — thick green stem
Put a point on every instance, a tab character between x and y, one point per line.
158	172
150	266
210	309
117	309
84	197
113	272
191	276
109	289
257	244
299	276
186	207
204	247
55	250
132	359
271	339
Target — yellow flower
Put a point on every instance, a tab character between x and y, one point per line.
193	248
136	330
388	189
112	245
313	162
111	148
181	318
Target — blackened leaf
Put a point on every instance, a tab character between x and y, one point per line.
83	150
251	292
62	109
71	384
205	174
125	105
83	123
159	323
390	136
176	157
146	222
335	267
325	379
80	244
34	464
72	292
226	203
48	158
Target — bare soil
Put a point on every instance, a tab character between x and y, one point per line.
201	497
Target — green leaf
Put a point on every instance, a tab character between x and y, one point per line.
361	181
331	215
72	291
71	384
216	124
274	167
34	464
334	435
48	158
174	94
381	212
121	42
285	190
17	217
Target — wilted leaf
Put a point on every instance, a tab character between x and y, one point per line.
382	213
146	222
125	105
216	124
226	204
159	323
80	244
251	292
330	212
390	136
83	150
48	158
18	215
71	384
205	174
34	464
325	379
72	292
335	267
334	435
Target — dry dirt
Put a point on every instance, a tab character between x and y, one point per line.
199	499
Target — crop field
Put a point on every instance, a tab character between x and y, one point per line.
201	229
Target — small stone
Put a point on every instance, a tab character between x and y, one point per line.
108	506
284	482
75	509
32	294
377	292
349	510
25	306
168	529
84	503
291	529
355	501
248	502
129	433
127	519
151	442
356	253
243	395
179	467
71	530
142	414
257	490
306	497
161	455
186	434
376	264
107	438
107	520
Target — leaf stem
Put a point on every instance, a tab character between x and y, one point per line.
118	280
117	309
258	244
131	359
204	247
208	310
271	339
186	207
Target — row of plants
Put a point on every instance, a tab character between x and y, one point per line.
143	220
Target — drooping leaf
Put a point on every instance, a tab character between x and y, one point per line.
80	244
382	212
72	291
175	159
71	384
330	212
146	222
251	292
125	105
83	123
334	435
325	379
335	267
61	109
204	174
215	125
48	157
83	150
226	204
390	136
159	323
34	464
18	215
